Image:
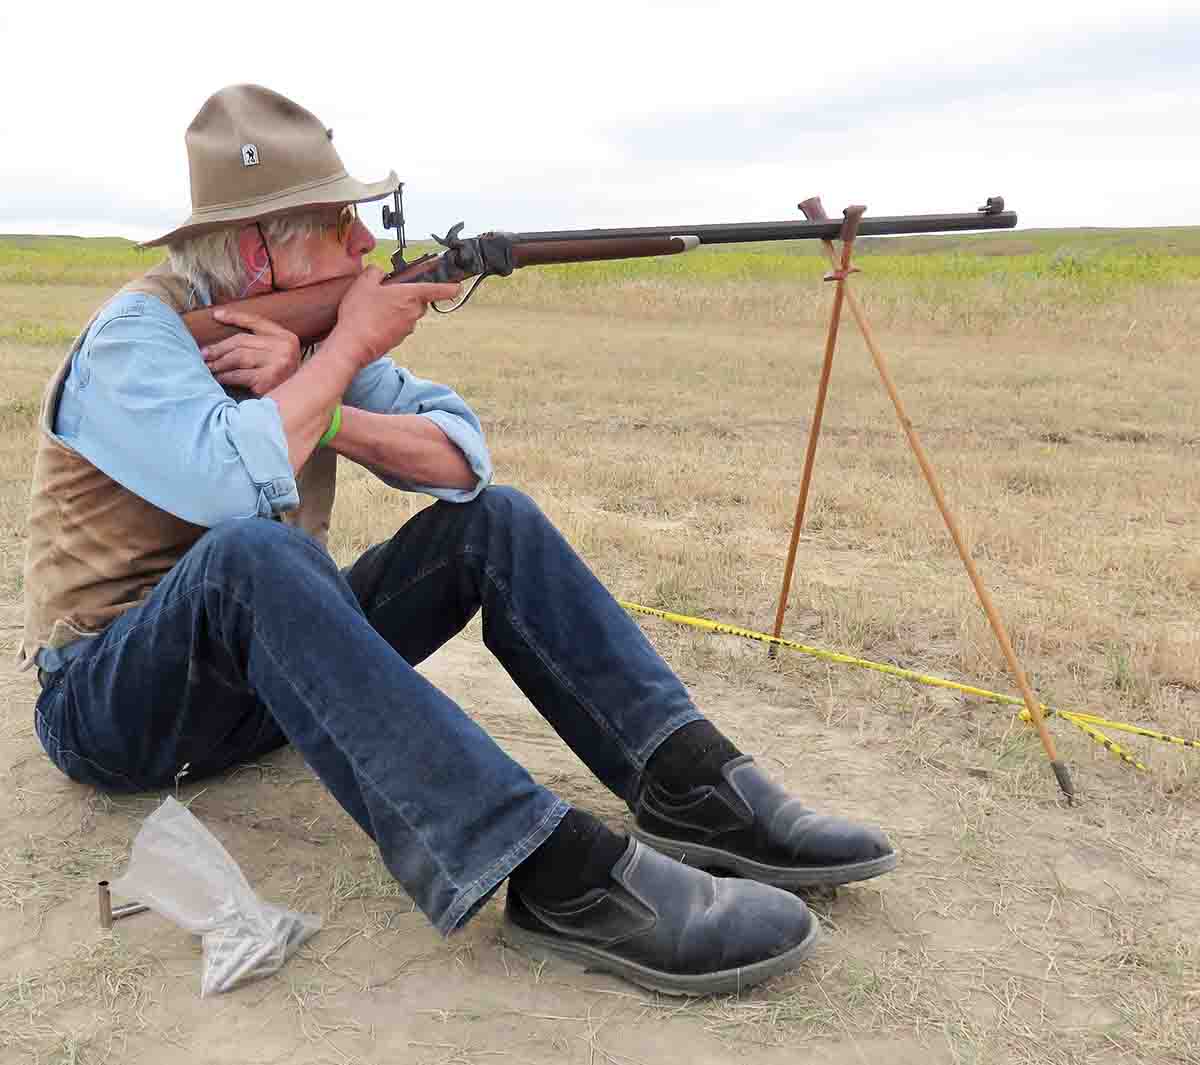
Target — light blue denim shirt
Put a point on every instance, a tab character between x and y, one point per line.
140	404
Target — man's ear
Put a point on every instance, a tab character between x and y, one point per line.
251	250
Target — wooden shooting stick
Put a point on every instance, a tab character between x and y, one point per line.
849	231
814	212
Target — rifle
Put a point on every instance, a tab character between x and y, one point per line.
310	311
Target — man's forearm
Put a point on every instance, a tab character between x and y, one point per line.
307	398
405	446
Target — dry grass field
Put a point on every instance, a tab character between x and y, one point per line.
659	415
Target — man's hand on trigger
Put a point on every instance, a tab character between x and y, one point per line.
373	318
259	360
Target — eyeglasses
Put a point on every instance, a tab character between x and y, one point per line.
346	218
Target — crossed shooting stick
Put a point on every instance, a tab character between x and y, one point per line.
840	274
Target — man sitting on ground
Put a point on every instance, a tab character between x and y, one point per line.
182	609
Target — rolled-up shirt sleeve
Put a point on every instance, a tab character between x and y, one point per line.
385	388
141	405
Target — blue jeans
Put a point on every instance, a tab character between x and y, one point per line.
255	639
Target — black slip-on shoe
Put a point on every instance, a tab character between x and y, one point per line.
749	826
669	928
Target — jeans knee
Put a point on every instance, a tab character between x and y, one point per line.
257	545
510	506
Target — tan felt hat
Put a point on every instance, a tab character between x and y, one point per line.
253	154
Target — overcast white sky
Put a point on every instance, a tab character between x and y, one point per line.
533	115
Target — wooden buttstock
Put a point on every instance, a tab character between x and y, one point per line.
309	311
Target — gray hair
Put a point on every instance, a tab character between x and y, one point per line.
212	264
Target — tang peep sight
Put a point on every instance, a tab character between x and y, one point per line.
393	218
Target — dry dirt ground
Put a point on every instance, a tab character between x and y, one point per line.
1016	929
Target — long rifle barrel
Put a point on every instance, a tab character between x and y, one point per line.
746	232
311	312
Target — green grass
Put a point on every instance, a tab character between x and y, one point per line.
26	260
1090	258
36	334
1087	256
1141	281
1082	265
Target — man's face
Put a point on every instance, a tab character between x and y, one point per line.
317	257
328	256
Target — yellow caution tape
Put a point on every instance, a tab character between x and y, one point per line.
1103	740
1089	724
1120	726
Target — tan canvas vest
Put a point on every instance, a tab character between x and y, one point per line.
95	548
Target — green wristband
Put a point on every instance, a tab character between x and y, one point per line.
335	423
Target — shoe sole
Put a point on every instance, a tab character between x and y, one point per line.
781	876
538	945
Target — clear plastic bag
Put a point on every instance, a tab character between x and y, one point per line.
180	870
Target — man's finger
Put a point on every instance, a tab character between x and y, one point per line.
256	323
234	360
238	342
